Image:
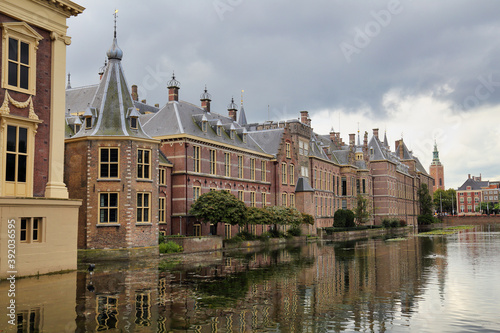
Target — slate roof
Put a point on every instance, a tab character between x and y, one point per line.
303	185
474	184
242	120
112	104
78	99
180	117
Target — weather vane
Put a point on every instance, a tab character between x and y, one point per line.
116	12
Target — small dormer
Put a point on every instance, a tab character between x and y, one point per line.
88	117
359	154
218	127
204	124
133	117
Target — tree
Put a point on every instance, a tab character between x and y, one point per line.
256	215
445	199
219	207
361	212
425	201
343	218
284	216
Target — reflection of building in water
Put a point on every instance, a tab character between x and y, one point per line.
43	304
123	299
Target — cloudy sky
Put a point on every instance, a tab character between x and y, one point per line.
424	70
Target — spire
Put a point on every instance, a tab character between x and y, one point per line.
242	119
68	86
386	143
112	112
435	155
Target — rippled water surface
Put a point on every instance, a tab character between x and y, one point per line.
418	284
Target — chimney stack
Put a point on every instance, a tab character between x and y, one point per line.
135	95
365	140
375	132
205	99
304	116
352	139
173	89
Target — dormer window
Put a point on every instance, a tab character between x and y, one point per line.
77	128
88	122
204	125
244	137
219	130
231	134
133	122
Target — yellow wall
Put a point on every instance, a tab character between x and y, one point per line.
57	250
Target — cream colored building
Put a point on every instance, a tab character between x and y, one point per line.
38	220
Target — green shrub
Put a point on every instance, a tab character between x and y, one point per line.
425	219
245	235
170	247
161	238
294	231
235	240
386	223
394	223
343	218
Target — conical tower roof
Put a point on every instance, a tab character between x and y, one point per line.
112	105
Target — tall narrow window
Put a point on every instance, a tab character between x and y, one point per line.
227	165
24	230
144	164
344	186
16	161
240	166
161	210
364	185
108	208
213	161
108	162
292	200
196	159
196	192
36	229
264	199
283	173
263	171
19	63
107	313
284	199
252	199
143	207
252	168
288	153
162	179
240	195
292	174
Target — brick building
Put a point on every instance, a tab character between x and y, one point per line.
436	170
33	197
115	168
271	163
475	191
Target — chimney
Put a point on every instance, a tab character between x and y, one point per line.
332	136
304	115
469	175
232	108
365	140
375	132
352	139
173	89
205	99
308	121
135	95
401	149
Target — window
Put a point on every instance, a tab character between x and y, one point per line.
161	210
287	149
88	122
108	162
227	165
213	161
252	199
196	192
19	57
344	186
264	199
263	176
227	230
304	171
196	159
31	230
29	320
303	148
252	169
292	200
16	162
320	180
197	229
108	208
240	195
364	185
316	185
143	205
283	199
143	164
219	130
358	186
133	122
162	179
283	173
292	174
204	126
240	166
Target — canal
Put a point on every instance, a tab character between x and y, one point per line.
417	284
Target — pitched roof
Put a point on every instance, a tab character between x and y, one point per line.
474	184
242	119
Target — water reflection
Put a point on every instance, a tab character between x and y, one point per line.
369	285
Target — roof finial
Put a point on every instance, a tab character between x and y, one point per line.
242	91
116	12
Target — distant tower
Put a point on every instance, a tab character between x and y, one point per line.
437	170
